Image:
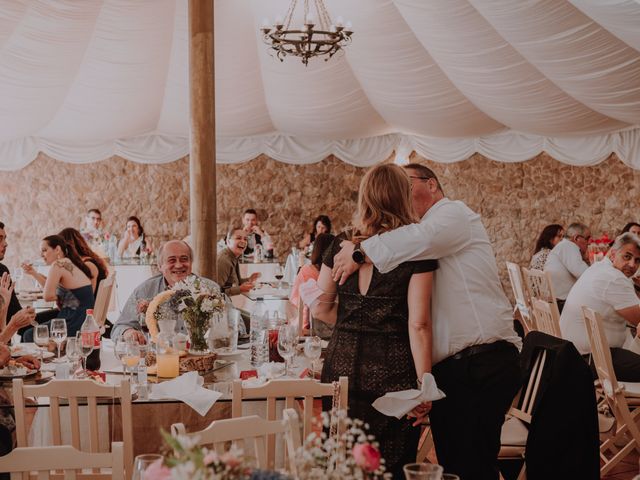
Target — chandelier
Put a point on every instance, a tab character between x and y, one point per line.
307	41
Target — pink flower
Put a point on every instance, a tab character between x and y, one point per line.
230	460
209	458
366	456
157	471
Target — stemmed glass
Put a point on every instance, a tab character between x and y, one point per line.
141	463
128	352
279	274
74	351
287	340
59	334
87	344
18	274
313	350
41	338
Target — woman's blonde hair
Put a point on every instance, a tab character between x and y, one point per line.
384	201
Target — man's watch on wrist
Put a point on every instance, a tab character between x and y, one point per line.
358	255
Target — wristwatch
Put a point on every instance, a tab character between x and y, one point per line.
358	255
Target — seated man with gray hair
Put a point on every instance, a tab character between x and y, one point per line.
606	287
174	262
566	263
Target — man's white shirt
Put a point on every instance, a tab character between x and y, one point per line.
604	289
565	265
469	305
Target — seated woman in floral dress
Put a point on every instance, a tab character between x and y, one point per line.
549	238
68	283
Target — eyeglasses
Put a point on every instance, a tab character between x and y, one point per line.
582	236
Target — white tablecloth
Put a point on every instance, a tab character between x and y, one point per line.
268	270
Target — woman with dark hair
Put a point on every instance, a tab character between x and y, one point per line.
322	224
96	265
68	283
632	227
549	238
132	242
311	272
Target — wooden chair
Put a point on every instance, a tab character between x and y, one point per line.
626	437
76	392
103	297
254	429
547	317
538	285
523	304
515	429
289	391
24	460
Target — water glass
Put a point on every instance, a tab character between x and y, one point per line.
141	463
74	351
422	471
59	334
287	342
41	338
313	350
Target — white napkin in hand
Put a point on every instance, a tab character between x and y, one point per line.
398	404
188	389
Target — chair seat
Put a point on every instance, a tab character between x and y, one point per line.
514	433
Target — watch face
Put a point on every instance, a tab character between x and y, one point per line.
358	256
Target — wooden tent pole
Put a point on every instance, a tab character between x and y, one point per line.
202	157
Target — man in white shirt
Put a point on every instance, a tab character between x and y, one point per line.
565	262
475	348
606	287
256	235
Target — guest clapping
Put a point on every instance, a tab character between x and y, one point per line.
96	265
322	224
68	282
20	319
132	242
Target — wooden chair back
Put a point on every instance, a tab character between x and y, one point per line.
24	460
76	392
290	390
523	303
251	429
103	297
626	437
538	285
547	317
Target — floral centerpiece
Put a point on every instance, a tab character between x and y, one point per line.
189	461
197	301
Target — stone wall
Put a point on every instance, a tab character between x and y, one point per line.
516	200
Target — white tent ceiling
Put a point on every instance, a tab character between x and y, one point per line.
83	80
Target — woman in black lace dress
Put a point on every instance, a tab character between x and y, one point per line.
382	335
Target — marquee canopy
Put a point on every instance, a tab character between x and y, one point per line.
84	80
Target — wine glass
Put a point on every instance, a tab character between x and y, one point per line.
142	462
18	274
131	357
313	350
59	334
120	351
74	351
87	344
279	273
287	340
41	338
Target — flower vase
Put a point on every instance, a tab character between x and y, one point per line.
197	325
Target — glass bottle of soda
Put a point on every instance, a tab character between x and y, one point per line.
91	328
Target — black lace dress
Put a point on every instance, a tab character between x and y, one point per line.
370	345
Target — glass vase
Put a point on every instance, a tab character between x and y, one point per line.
197	326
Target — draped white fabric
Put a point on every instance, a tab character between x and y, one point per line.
84	80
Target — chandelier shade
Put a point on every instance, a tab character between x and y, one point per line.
318	36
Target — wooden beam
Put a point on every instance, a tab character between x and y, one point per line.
202	158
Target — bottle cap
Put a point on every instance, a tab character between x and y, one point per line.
89	311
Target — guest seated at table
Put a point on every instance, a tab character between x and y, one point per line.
549	238
322	224
14	305
97	266
312	272
255	233
174	262
228	269
567	260
93	230
606	287
132	242
18	320
68	283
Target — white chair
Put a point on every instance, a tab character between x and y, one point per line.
103	297
547	317
538	285
290	390
24	460
252	429
76	392
618	395
523	304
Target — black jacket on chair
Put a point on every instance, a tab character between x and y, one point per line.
563	440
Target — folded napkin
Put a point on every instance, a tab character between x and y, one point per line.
188	389
398	404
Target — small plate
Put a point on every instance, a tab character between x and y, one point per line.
5	376
18	352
